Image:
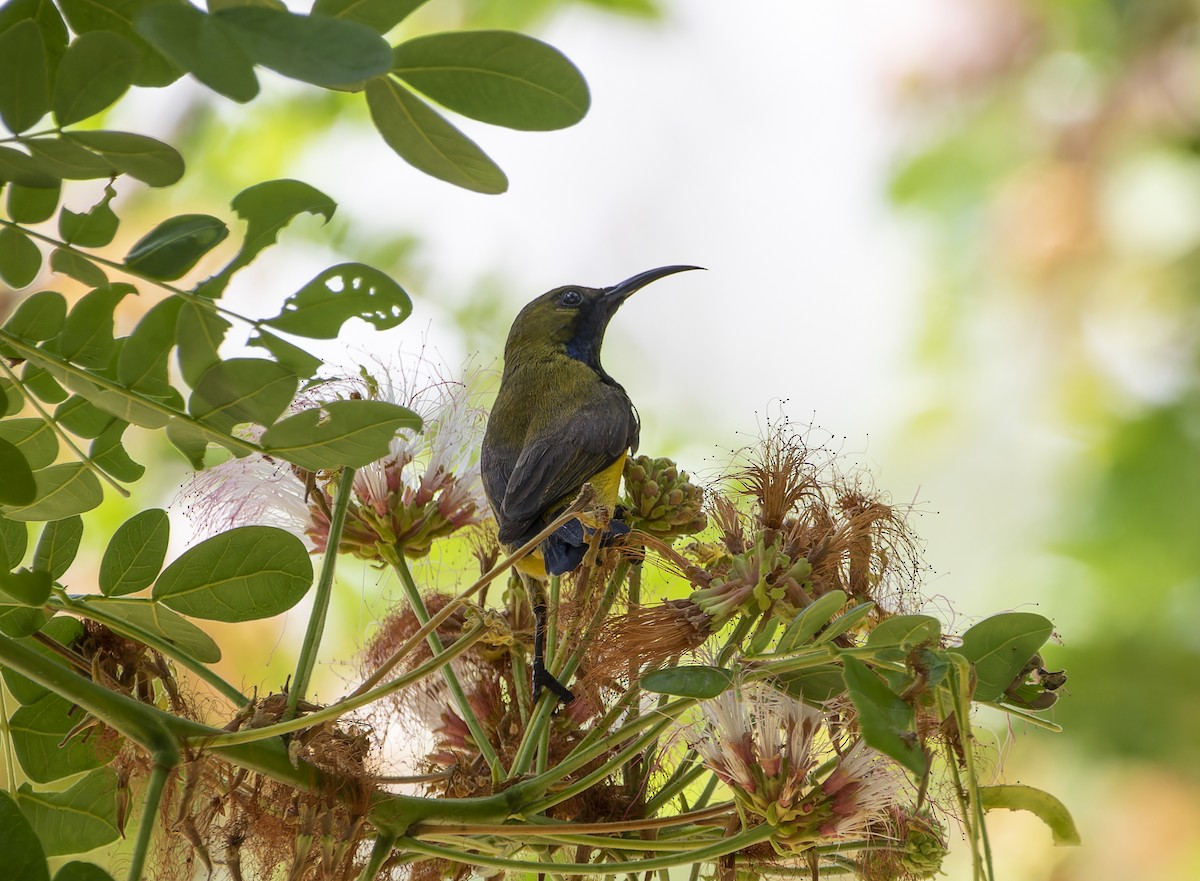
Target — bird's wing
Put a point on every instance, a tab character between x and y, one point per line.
557	465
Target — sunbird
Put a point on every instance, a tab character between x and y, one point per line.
559	422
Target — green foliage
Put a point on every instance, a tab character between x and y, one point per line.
135	554
1000	646
247	573
24	859
700	682
39	737
76	820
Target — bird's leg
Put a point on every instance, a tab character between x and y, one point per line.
542	678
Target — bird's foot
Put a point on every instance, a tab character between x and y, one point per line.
542	678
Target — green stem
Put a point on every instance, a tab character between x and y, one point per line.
79	605
320	610
604	770
62	435
735	639
153	799
718	849
193	298
10	760
39	357
482	743
552	601
960	692
336	710
546	703
674	786
379	853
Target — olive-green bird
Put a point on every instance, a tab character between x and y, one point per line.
559	421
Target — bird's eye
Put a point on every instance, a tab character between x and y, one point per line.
570	298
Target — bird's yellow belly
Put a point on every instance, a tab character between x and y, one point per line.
607	484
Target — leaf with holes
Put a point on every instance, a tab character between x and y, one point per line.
349	290
94	228
267	208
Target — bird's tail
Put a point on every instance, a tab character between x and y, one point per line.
565	549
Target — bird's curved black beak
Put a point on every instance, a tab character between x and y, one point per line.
619	293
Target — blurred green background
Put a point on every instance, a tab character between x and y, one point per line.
961	238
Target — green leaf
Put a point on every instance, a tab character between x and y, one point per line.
814	685
906	631
688	681
65	159
20	258
78	267
1051	811
19	621
244	574
97	69
499	77
810	619
758	644
314	49
62	490
26	588
93	229
17	487
38	317
117	16
58	545
885	719
32	204
42	384
157	619
379	15
77	819
87	334
23	169
844	622
24	859
176	245
190	441
135	554
37	734
24	78
35	439
54	31
149	160
348	290
83	418
14	539
242	390
65	631
198	334
426	141
79	871
108	453
1000	646
203	45
267	208
143	359
350	433
292	357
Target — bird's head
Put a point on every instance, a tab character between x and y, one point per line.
572	319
